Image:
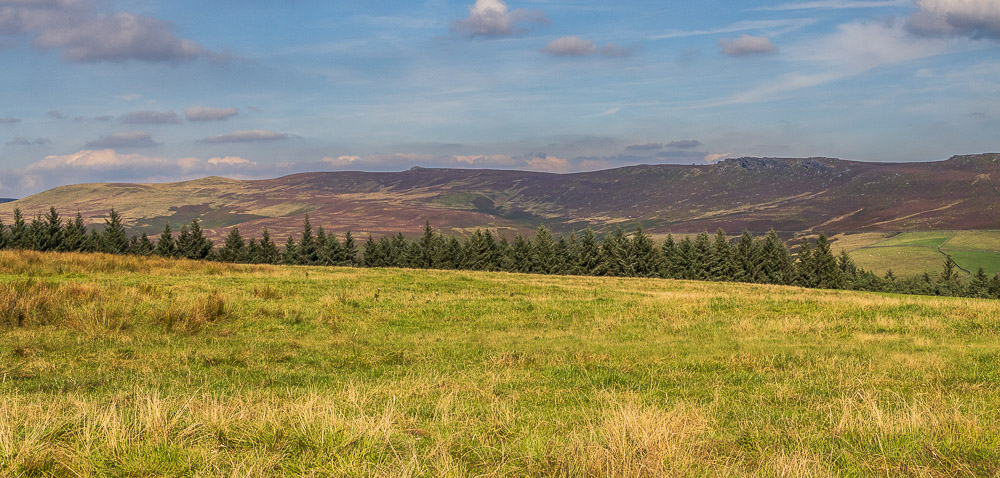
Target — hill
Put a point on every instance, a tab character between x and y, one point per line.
124	366
3	200
791	195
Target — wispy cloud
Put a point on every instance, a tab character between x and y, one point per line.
574	46
22	141
971	18
836	5
151	117
9	120
250	136
771	27
204	113
131	139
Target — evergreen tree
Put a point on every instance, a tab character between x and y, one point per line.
702	257
199	247
400	254
234	249
323	256
995	286
165	246
669	260
749	259
19	238
686	266
4	237
253	251
613	252
520	255
269	253
94	242
722	266
350	248
290	257
428	254
828	274
372	253
114	239
307	250
334	253
53	237
543	257
74	234
776	263
36	233
589	260
184	243
848	270
142	246
571	263
643	255
949	280
805	267
979	285
561	252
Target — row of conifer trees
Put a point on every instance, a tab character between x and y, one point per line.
764	260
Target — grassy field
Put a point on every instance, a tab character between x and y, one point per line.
914	253
123	366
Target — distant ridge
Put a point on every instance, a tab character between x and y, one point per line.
787	194
3	200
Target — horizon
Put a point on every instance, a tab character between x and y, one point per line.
152	92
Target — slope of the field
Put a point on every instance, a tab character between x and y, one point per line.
794	195
125	366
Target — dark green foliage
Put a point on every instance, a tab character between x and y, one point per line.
643	255
19	231
235	248
193	245
722	264
75	235
114	239
142	246
290	256
165	246
308	251
949	279
52	237
267	252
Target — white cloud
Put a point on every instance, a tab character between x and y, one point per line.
250	136
711	158
492	18
104	159
746	45
576	46
972	18
230	161
342	161
150	117
203	113
84	34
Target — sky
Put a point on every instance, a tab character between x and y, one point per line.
156	90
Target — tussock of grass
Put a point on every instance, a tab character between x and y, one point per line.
172	368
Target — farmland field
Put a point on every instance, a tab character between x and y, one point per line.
126	366
914	253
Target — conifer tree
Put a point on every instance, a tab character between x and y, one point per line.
184	242
995	287
269	253
19	238
74	234
428	248
949	278
114	239
613	251
571	263
253	251
643	256
979	285
165	246
828	274
307	249
749	259
452	255
334	253
670	263
53	238
290	257
350	248
805	267
93	243
702	257
543	257
372	253
323	257
776	263
721	263
520	255
142	246
199	246
234	248
590	254
685	259
4	236
36	233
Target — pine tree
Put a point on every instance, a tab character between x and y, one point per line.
749	259
520	255
644	258
4	237
323	257
589	259
805	267
979	285
350	249
372	253
253	251
686	265
19	231
543	260
613	252
828	273
184	242
114	239
561	252
93	243
333	253
428	255
165	246
269	253
949	279
74	234
36	233
669	262
452	255
572	261
142	246
776	263
307	250
53	236
848	270
995	286
702	257
290	257
400	254
234	249
722	266
199	247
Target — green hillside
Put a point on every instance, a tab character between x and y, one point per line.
914	253
127	366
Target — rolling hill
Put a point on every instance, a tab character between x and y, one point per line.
791	195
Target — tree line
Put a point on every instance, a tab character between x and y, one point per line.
751	259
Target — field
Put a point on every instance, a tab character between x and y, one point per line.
124	366
914	253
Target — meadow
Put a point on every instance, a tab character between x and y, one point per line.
913	253
136	366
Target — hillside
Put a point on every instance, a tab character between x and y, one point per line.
128	366
792	195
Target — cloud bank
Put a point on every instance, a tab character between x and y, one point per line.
203	113
131	139
746	45
972	18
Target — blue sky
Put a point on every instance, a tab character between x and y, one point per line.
150	90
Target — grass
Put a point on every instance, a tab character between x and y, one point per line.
121	366
914	253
